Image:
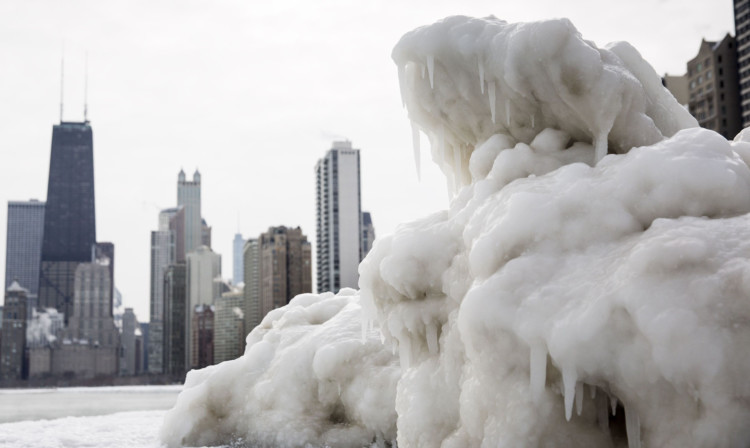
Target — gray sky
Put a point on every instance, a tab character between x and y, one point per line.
252	94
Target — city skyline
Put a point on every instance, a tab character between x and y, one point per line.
170	100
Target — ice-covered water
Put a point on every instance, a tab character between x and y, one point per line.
589	285
120	416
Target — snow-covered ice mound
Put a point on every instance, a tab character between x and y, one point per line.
566	298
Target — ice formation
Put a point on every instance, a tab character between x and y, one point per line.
566	298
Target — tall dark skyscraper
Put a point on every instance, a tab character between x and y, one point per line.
69	220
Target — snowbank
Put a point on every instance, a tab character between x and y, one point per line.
307	377
566	298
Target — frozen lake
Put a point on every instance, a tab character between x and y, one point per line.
36	404
121	416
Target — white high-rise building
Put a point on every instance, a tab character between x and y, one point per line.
339	218
189	197
238	271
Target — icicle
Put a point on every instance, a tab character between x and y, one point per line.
481	75
613	404
592	390
507	112
415	146
457	166
569	384
632	427
537	371
401	80
371	327
404	350
602	413
423	69
600	147
491	93
431	68
532	121
432	338
579	397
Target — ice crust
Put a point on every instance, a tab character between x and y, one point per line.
565	298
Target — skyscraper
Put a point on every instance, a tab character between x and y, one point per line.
339	218
203	268
237	271
163	254
13	347
189	197
251	292
69	219
285	269
176	327
23	250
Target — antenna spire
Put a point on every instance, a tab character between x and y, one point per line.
62	80
86	90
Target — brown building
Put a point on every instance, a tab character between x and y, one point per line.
713	87
285	269
202	330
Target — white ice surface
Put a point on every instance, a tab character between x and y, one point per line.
122	430
560	282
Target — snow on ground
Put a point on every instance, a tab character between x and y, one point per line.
589	285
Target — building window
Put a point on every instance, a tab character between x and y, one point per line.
700	79
708	75
700	66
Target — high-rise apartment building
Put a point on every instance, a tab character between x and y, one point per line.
23	249
189	197
164	244
229	327
285	268
339	218
176	326
251	292
713	87
237	270
69	219
742	35
12	350
368	233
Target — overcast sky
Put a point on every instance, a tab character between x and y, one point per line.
252	93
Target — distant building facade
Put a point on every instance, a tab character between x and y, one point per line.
166	243
742	33
13	344
238	245
176	326
368	234
23	249
714	89
251	291
229	326
339	218
285	268
202	329
189	197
